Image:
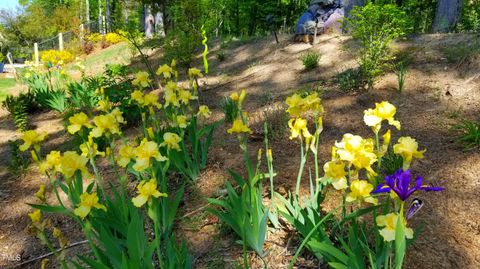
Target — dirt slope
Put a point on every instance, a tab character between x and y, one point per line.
435	90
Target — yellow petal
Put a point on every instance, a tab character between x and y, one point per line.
139	201
82	211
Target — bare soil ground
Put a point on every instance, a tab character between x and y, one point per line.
435	92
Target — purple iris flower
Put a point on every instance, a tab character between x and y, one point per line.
399	182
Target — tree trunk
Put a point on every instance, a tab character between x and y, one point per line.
100	19
126	12
107	14
159	24
447	15
87	12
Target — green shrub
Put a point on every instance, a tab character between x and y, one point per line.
460	52
180	46
376	26
350	80
468	134
310	60
18	162
18	107
2	58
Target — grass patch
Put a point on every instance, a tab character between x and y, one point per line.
310	60
119	54
459	53
5	86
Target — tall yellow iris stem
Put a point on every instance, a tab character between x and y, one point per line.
303	160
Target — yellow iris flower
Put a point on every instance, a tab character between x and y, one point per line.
407	147
389	222
297	106
144	152
103	105
234	96
105	124
78	121
298	128
204	111
170	95
90	149
185	96
71	162
52	161
141	79
36	216
239	127
118	115
335	172
32	138
151	99
181	121
40	194
87	202
382	111
146	190
137	96
171	140
194	73
165	70
127	154
357	151
360	190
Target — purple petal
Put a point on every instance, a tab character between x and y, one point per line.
418	182
382	188
404	180
430	188
414	208
390	181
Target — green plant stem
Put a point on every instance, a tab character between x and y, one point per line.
53	250
157	242
300	170
88	234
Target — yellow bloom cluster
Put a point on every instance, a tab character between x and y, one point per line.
55	57
141	80
67	164
174	95
114	38
299	106
147	100
94	37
